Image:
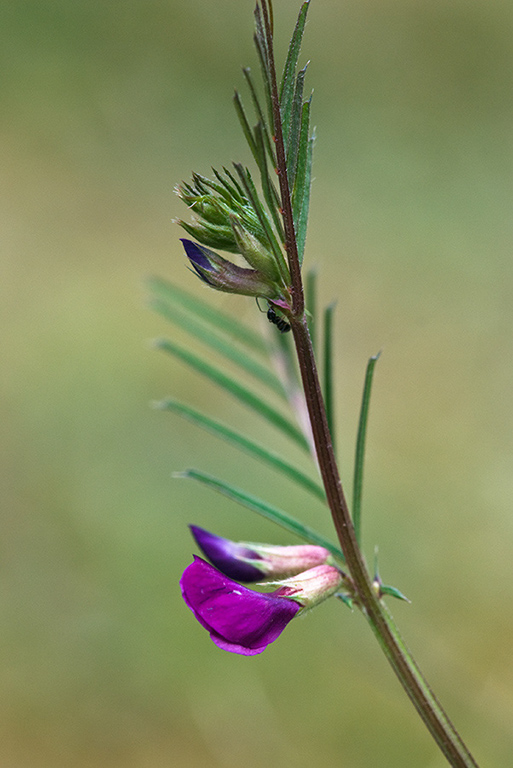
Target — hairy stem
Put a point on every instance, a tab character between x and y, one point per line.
376	613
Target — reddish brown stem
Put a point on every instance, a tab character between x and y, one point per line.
398	655
298	301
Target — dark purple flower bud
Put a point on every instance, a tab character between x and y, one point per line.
197	256
238	619
246	561
199	260
226	276
234	560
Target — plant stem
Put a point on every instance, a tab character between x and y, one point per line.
375	611
298	299
380	620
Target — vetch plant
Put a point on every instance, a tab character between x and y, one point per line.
261	227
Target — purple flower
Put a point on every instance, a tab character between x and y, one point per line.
238	619
246	561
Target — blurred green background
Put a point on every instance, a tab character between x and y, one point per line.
105	106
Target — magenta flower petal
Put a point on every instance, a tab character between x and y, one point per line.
238	619
228	556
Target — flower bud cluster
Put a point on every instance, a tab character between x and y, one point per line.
225	219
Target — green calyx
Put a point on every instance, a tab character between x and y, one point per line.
253	251
214	205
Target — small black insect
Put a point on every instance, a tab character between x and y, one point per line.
278	321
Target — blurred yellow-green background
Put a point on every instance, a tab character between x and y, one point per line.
105	106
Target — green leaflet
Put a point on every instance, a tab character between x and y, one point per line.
360	447
288	82
260	40
292	139
303	180
262	508
238	390
246	129
256	450
270	194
